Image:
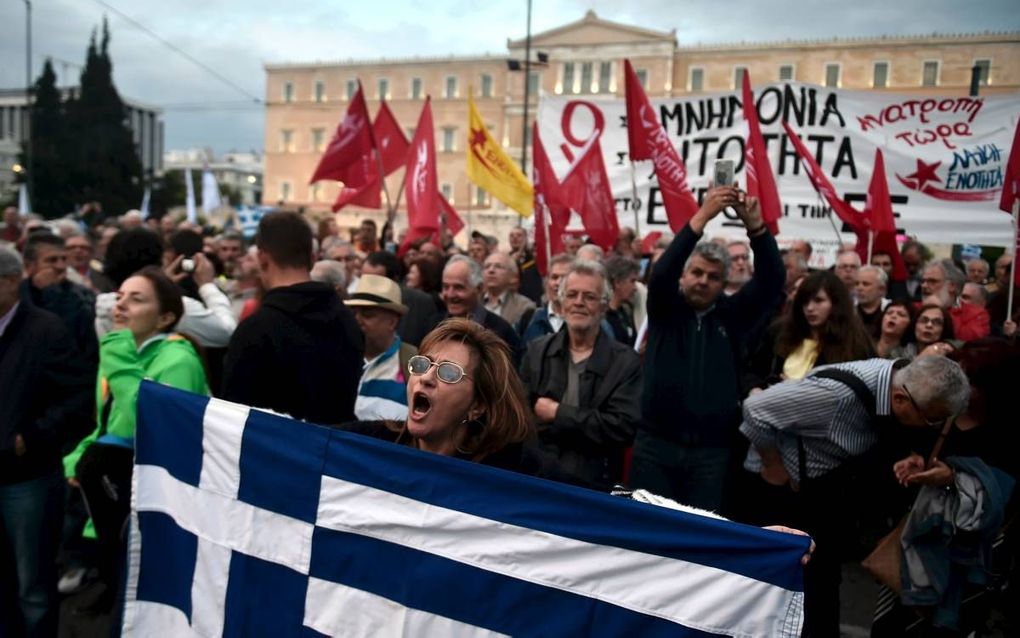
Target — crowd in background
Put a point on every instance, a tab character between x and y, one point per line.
700	369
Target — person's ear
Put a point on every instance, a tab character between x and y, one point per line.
165	320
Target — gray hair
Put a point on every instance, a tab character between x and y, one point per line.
509	262
953	274
474	269
562	258
849	251
591	269
10	262
67	228
619	268
712	253
879	273
329	271
798	260
935	381
979	290
597	253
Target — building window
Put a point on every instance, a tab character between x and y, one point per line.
568	77
410	132
320	91
486	85
930	74
449	137
586	77
785	72
880	75
318	139
287	141
533	83
288	92
480	197
642	77
384	89
285	191
315	193
984	71
450	90
832	75
697	80
738	76
447	191
605	76
416	88
352	88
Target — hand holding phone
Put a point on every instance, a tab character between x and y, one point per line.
724	173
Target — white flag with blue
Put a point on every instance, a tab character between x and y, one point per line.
249	523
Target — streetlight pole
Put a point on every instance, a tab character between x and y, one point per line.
27	120
527	99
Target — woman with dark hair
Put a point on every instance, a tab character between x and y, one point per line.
424	274
622	274
141	345
819	327
897	318
930	333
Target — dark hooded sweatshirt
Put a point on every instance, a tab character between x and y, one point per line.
300	353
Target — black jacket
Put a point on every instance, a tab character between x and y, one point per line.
300	354
48	394
493	322
692	386
416	323
76	306
589	439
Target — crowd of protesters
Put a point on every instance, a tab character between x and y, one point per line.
724	374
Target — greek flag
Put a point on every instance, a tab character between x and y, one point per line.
246	523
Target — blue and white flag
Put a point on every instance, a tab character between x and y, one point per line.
210	192
189	197
250	523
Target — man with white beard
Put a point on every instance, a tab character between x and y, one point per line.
741	268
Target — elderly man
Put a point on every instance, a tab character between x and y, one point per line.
331	273
345	253
382	391
501	277
740	266
1001	281
977	271
47	403
872	284
229	249
915	255
796	269
974	294
480	247
584	385
549	318
462	294
691	394
591	252
804	432
943	281
848	265
802	248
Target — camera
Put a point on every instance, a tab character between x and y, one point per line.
188	265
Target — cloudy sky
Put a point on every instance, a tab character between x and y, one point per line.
235	38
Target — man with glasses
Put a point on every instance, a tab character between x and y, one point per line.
803	433
848	266
943	283
584	386
741	268
501	276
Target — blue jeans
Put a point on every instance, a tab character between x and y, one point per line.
30	514
691	475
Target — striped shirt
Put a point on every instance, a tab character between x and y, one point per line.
382	391
825	413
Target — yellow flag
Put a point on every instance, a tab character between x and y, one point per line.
492	169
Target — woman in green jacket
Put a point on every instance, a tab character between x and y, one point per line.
142	345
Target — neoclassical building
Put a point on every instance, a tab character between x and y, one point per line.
305	101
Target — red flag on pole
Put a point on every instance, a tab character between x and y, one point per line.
1011	180
421	185
548	226
648	140
367	194
389	139
454	223
878	210
846	213
353	139
586	188
760	181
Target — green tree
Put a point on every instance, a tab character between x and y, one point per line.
52	192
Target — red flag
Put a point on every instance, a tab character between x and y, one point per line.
421	185
586	188
760	181
353	139
648	243
847	213
648	140
367	195
548	227
878	210
389	139
1011	180
454	223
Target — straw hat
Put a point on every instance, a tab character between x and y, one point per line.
376	291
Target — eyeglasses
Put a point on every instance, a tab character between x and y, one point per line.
446	371
929	422
932	321
587	297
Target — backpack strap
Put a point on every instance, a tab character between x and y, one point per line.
855	383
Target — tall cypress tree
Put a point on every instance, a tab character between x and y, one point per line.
107	167
52	192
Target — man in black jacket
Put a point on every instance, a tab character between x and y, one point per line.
300	353
47	401
691	396
584	385
420	307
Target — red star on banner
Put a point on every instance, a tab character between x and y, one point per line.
477	137
925	173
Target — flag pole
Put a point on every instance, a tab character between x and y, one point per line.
1012	268
823	203
392	213
470	227
871	242
548	235
634	198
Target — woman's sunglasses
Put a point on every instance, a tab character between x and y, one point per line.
446	371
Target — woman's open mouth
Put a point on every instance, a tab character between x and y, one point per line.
420	405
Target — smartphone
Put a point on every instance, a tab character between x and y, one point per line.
724	173
188	265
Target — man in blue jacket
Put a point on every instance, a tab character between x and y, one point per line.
691	396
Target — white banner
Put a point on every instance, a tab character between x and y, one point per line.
944	156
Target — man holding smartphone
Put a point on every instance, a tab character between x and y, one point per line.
691	397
